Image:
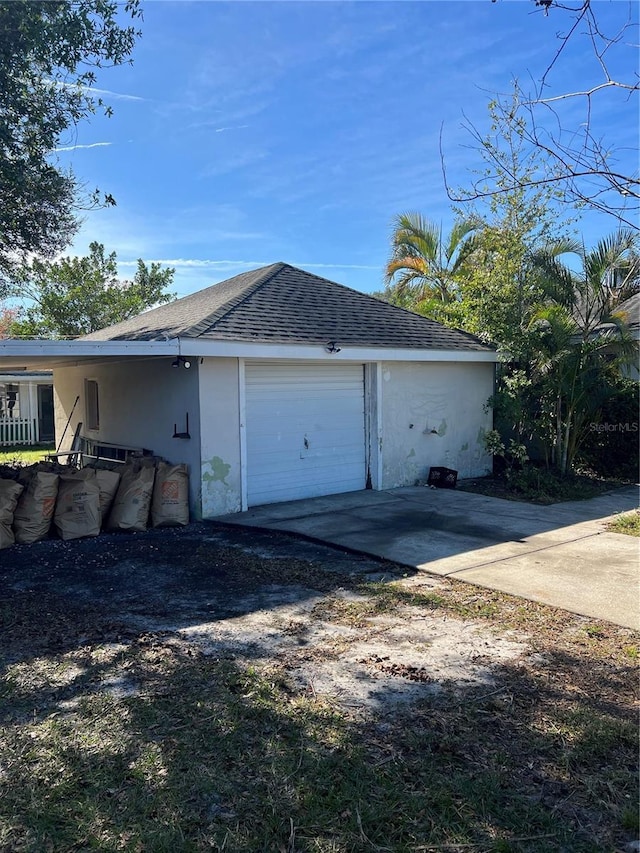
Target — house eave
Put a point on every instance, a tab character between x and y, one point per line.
196	347
47	355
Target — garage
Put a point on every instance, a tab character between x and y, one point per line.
305	430
276	385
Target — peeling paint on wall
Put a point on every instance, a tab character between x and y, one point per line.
446	402
219	471
218	496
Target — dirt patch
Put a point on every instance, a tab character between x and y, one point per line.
382	661
214	689
250	597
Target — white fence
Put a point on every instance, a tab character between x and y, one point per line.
18	431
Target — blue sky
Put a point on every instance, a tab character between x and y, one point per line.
250	132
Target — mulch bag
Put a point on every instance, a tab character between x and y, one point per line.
130	510
170	503
10	491
33	515
108	482
78	506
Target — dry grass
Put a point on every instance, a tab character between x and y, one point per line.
116	739
628	523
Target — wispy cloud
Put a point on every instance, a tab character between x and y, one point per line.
205	263
93	90
75	147
119	96
225	129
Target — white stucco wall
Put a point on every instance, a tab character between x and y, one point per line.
448	397
140	400
220	447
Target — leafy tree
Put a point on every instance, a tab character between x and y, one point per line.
500	289
75	296
583	341
48	51
8	317
423	272
610	446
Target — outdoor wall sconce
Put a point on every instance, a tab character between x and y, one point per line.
181	360
332	347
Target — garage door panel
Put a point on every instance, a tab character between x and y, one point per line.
302	437
304	430
296	464
293	489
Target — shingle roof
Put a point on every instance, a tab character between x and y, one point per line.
283	304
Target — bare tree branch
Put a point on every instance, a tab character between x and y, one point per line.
587	168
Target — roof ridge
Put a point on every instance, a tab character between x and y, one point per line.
398	307
221	312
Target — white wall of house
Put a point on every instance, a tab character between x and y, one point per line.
140	402
430	413
447	397
219	380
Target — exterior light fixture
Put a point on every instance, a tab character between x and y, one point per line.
332	347
181	360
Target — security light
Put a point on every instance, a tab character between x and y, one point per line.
181	360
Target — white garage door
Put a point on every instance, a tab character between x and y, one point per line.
305	430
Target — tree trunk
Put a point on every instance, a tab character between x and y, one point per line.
565	448
558	448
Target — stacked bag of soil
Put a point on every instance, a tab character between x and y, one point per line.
10	491
130	510
81	503
170	501
153	488
34	512
78	506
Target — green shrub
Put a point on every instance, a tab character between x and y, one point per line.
610	447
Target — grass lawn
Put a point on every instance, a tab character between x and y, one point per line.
19	455
120	738
628	523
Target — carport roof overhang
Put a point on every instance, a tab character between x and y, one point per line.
48	355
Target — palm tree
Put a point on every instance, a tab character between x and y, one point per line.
583	340
423	269
610	274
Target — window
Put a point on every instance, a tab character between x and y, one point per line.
92	411
9	401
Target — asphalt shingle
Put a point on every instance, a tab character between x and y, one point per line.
284	304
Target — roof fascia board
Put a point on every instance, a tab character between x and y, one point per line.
238	349
8	375
84	349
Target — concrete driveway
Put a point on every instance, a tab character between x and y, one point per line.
559	555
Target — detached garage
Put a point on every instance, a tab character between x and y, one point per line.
277	385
